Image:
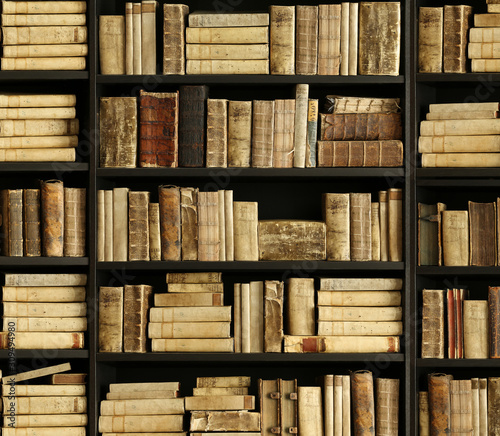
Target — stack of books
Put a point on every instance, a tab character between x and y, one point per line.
142	408
43	35
484	40
38	128
191	317
43	311
461	135
222	404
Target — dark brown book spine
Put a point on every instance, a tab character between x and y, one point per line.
170	222
74	221
363	403
158	140
493	406
189	223
457	20
439	404
494	320
52	201
192	111
387	394
138	225
12	214
32	242
5	222
361	127
482	234
136	303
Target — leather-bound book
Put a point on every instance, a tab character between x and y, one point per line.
360	235
432	323
75	200
363	402
262	133
32	241
439	403
306	40
476	331
246	224
136	303
174	25
300	307
282	40
138	225
110	319
423	413
52	217
217	133
284	128
387	400
430	40
208	226
493	406
189	223
269	406
482	234
170	222
288	406
12	222
457	21
158	137
379	38
329	40
310	410
361	127
494	320
336	214
239	133
154	231
192	110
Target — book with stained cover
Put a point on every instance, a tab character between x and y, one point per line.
111	319
262	133
387	405
456	23
52	217
433	330
138	225
430	40
284	128
336	214
217	135
174	25
329	40
75	200
12	222
282	40
360	227
170	222
306	40
136	303
341	344
363	401
111	44
482	233
189	223
439	403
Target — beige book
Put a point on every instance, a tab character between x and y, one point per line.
475	405
460	127
300	125
73	324
37	155
22	279
189	223
45	431
395	224
29	375
329	39
143	387
140	395
376	231
384	249
44	7
228	19
359	298
475	319
387	405
53	310
148	36
137	37
480	50
273	316
192	330
174	23
327	382
237	316
218	345
46	405
203	392
461	160
138	225
337	400
433	324
44	35
360	328
37	100
310	410
433	116
111	44
484	34
110	319
361	284
262	133
147	434
129	38
341	344
143	407
464	107
194	277
245	318
43	340
360	217
223	381
493	8
154	231
455	237
45	50
245	219
216	66
356	313
353	38
344	39
227	51
300	307
256	317
74	221
423	413
430	40
306	40
284	128
217	134
288	406
208	226
225	421
485	65
121	210
282	40
336	216
227	35
269	394
54	421
239	133
483	406
486	20
43	390
195	287
43	293
43	63
229	220
141	424
109	227
189	314
223	402
37	113
183	299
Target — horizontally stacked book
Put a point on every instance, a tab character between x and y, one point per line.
49	221
458	237
191	316
135	408
56	407
470	406
43	311
44	35
484	40
461	135
38	128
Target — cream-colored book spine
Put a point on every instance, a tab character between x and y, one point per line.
47	405
45	431
222	402
484	34
395	224
110	319
29	375
237	66
243	421
44	340
174	52
208	226
45	50
460	127
227	35
270	400
344	39
138	225
101	226
43	390
129	38
341	344
460	160
137	37
459	144
59	324
148	36
40	142
192	330
217	345
300	135
75	200
336	210
262	133
55	421
376	231
229	219
328	404
455	237
194	277
141	424
108	226
353	38
337	400
359	298
189	223
475	405
152	406
228	19
384	249
142	395
198	299
306	40
430	40
356	313
360	217
44	7
37	113
227	51
239	133
473	115
464	107
246	231
301	307
44	35
43	63
37	100
282	40
273	316
143	387
475	318
27	279
37	155
120	227
245	318
154	231
217	133
43	293
360	328
189	314
236	318
329	40
361	284
112	44
284	120
196	287
310	410
51	310
256	317
480	50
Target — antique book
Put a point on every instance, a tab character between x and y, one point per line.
346	404
363	402
456	24
384	249
493	318
273	316
242	421
493	405
262	133
45	431
465	396
484	34
221	66
352	313
217	134
341	344
475	405
292	240
208	226
452	323
256	290
284	128
306	40
360	226
269	406
73	324
111	319
486	20
246	226
476	343
137	38
379	38
142	387
387	406
329	40
455	237
246	307
459	127
44	7
221	402
359	298
44	63
344	39
189	223
463	107
300	124
120	224
189	330
37	113
138	225
361	126
327	385
223	381
45	51
174	24
439	403
118	127
310	410
194	277
227	35
196	287
154	231
186	299
192	101
52	217
339	104
12	222
190	314
239	133
300	307
395	224
29	375
109	225
22	279
282	40
136	303
38	127
461	115
237	317
151	406
38	155
485	65
432	323
36	309
141	424
44	35
430	40
217	345
227	51
43	390
237	19
360	284
47	405
375	231
52	142
67	379
43	340
222	224
423	413
353	38
288	406
229	221
428	228
37	100
384	153
455	408
482	234
312	133
43	293
337	407
111	44
170	222
129	38
158	136
148	36
74	221
360	328
142	395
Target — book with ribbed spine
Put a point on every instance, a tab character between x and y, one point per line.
12	222
174	24
433	324
138	225
306	40
336	214
329	39
111	44
361	126
284	127
189	223
75	200
430	40
383	153
136	304
262	133
111	319
239	133
52	217
170	222
217	135
341	344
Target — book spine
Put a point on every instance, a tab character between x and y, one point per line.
361	127
237	317
336	211
246	242
129	38
136	303
222	224
138	226
101	223
375	231
433	324
329	40
13	228
465	389
74	324
310	410
455	239
346	404
475	405
44	7
360	235
439	403
430	40
384	250
111	319
52	217
493	405
300	125
256	317
208	226
344	39
137	37
217	133
112	44
44	35
108	227
203	345
206	421
46	51
44	340
32	241
494	321
395	224
227	35
456	23
282	40
312	133
74	221
284	127
140	424
170	222
455	406
148	36
387	401
229	220
43	63
174	24
483	406
273	316
224	66
189	223
47	405
245	318
306	40
19	128
482	234
239	132
146	406
301	307
269	406
423	413
475	315
154	231
353	38
262	133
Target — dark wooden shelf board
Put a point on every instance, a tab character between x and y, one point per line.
458	78
458	363
47	354
14	261
458	270
34	76
42	167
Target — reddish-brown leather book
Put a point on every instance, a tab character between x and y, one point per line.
494	320
52	200
170	222
136	303
482	233
31	204
452	340
363	402
439	403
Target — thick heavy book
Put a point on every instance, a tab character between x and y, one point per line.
336	214
142	407
41	142
174	24
339	104
227	35
300	307
360	228
363	402
273	316
42	340
190	314
482	234
306	40
136	304
32	423
138	225
218	345
75	200
50	310
170	222
379	38
141	424
284	128
310	410
189	223
484	34
239	133
223	381
44	7
360	328
50	19
455	237
21	279
228	19
432	324
12	222
300	125
31	324
120	224
217	134
246	235
292	240
222	66
387	406
227	51
47	405
242	421
476	329
52	217
359	298
385	153
45	51
44	35
456	23
329	40
220	402
38	155
111	319
111	44
180	300
262	133
154	231
485	65
269	406
208	226
43	293
282	40
439	403
288	406
158	137
341	344
39	127
37	113
189	330
353	313
430	40
43	63
37	100
148	36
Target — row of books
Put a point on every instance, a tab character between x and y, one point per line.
44	35
484	45
325	39
49	221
